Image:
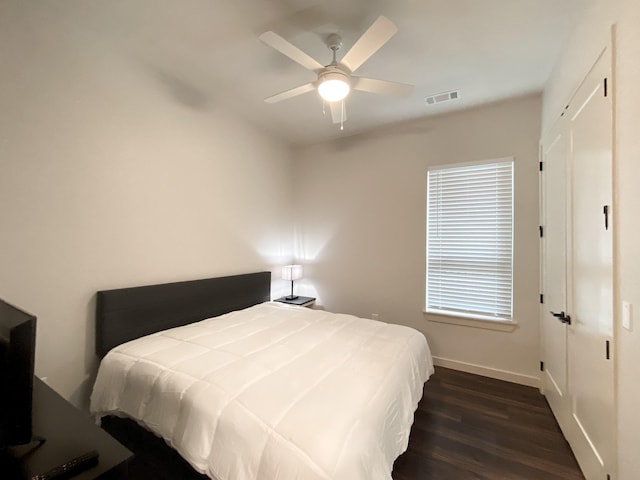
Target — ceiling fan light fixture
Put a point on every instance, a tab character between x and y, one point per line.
334	86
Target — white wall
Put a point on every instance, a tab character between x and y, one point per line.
587	40
112	177
361	205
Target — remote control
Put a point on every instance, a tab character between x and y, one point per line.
70	468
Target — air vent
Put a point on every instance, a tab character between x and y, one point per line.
442	97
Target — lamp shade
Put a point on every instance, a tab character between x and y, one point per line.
292	272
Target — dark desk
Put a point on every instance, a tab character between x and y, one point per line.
69	433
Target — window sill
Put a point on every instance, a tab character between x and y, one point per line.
498	325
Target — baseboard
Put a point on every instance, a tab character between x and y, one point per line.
488	372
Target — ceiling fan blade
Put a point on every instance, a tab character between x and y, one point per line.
338	111
383	87
369	43
293	92
294	53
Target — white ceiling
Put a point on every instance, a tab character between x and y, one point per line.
207	52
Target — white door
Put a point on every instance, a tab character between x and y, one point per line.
577	273
590	299
555	151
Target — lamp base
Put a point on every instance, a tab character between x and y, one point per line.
291	297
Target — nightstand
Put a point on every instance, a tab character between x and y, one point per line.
69	433
299	301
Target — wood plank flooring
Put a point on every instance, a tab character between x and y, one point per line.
467	427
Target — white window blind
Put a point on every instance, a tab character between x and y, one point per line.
470	240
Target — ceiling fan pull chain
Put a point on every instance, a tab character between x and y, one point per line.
324	108
342	115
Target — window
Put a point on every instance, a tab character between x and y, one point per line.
470	240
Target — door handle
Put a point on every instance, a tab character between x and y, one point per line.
562	317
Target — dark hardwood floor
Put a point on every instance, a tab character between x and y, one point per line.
467	427
472	427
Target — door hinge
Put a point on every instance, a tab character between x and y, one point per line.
541	228
542	366
607	350
605	211
606	86
542	298
540	166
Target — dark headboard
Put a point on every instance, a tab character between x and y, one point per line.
129	313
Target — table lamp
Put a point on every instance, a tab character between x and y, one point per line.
292	272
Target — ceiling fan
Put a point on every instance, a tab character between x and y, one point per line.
335	80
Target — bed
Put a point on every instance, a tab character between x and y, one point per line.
248	389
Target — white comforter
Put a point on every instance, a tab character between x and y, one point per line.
273	392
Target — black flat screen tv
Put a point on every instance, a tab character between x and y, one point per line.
17	355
